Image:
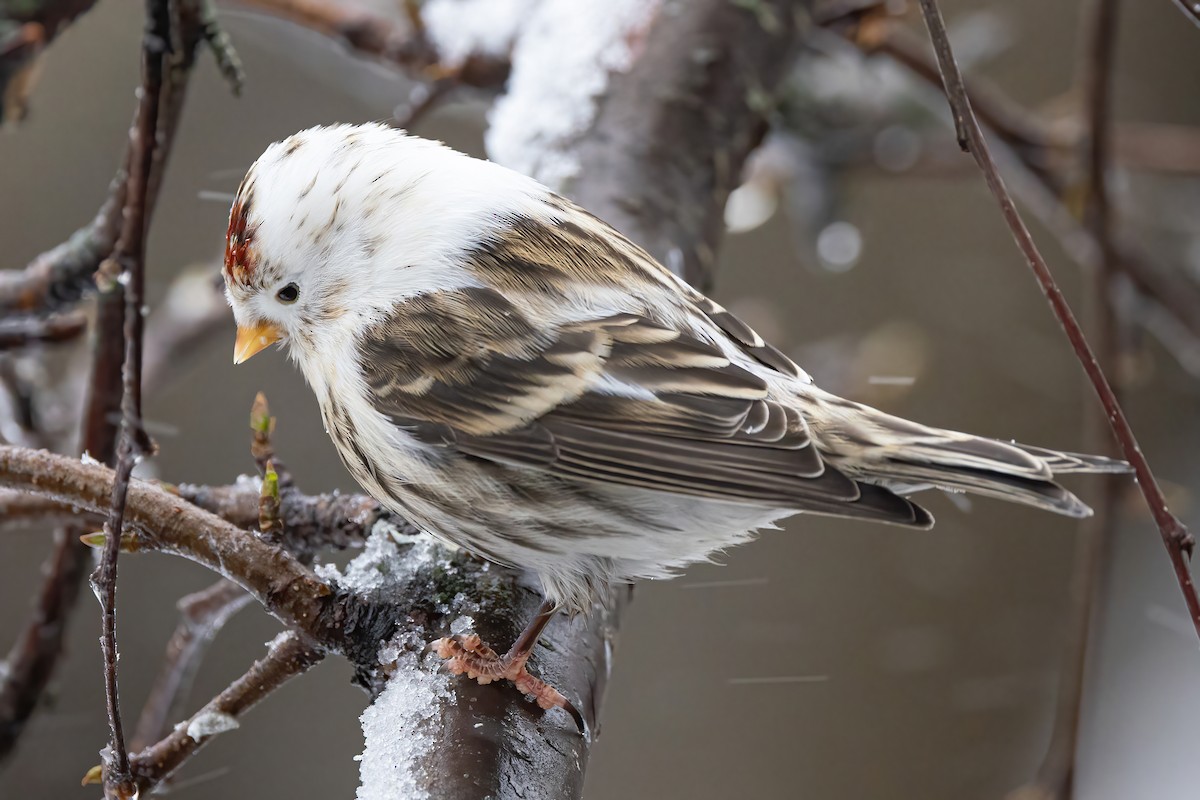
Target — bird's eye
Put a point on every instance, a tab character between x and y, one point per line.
288	294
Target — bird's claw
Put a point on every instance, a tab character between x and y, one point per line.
467	654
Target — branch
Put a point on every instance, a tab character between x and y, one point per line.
201	616
129	258
1045	158
671	136
1176	539
159	520
22	332
1056	775
26	29
402	45
58	279
426	590
62	276
287	656
1190	10
311	522
30	663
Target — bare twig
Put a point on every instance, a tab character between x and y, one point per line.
24	331
163	521
288	656
26	29
61	276
1178	542
201	617
1046	156
311	522
130	258
30	663
1190	9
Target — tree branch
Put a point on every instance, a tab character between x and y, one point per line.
1177	541
1047	158
1190	10
128	262
60	278
26	29
671	136
401	45
287	656
22	332
201	616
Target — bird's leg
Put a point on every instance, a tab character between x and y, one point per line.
467	654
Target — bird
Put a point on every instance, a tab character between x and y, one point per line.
519	379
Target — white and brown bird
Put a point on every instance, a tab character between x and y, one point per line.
519	379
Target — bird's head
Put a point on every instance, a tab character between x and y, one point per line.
334	226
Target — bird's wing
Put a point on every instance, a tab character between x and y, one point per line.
618	399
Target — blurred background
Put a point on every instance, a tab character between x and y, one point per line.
827	660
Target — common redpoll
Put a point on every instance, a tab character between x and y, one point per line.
519	379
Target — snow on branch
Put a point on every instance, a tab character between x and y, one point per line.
560	65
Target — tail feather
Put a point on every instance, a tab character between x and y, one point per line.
905	457
1061	463
1041	493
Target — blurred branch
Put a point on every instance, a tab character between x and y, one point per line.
1190	9
1013	123
186	319
1044	155
1176	539
1055	778
24	331
26	29
400	44
671	136
63	275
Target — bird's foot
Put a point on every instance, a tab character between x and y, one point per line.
467	654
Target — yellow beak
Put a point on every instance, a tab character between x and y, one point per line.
252	339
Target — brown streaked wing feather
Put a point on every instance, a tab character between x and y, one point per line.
469	360
465	369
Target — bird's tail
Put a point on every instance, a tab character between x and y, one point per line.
904	456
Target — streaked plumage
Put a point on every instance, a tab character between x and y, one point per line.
515	376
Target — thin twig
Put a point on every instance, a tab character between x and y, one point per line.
130	257
163	521
1190	9
22	332
202	615
1045	156
1178	542
288	656
57	279
311	522
63	275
